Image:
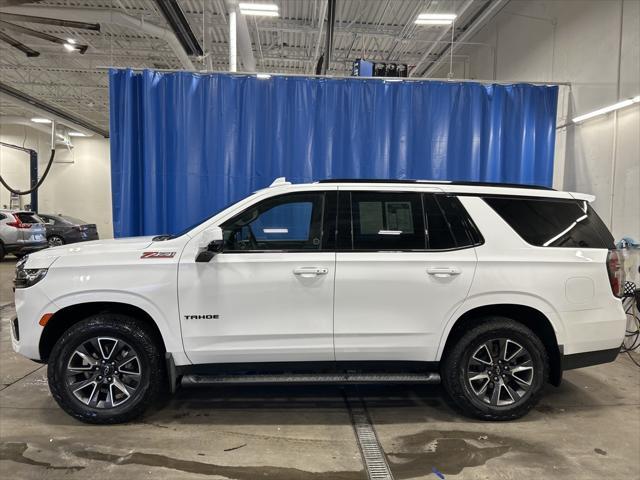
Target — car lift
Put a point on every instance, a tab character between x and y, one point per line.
33	171
35	182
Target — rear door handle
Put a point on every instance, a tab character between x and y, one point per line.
442	272
310	271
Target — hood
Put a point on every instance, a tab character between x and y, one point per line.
44	258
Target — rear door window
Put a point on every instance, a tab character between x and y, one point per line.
387	221
545	222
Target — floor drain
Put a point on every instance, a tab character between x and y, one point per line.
373	456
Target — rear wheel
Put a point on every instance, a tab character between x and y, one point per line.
2	251
496	371
106	369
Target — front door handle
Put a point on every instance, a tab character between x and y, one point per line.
310	271
442	272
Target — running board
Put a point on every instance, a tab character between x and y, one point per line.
340	378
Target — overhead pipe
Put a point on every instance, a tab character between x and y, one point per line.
43	109
243	40
28	51
323	12
174	16
44	36
111	17
51	21
233	41
328	40
487	14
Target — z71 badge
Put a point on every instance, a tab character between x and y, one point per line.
157	254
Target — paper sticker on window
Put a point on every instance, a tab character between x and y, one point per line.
399	216
275	230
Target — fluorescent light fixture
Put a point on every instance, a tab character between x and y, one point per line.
610	108
435	18
77	134
258	6
259	9
71	41
69	48
263	76
40	120
434	22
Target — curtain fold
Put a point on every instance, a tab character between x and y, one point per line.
183	145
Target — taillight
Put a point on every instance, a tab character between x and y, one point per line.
18	223
616	272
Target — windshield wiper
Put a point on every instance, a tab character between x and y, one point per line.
160	238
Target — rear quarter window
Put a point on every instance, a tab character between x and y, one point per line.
545	222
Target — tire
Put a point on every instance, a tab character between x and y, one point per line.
55	241
2	251
104	352
465	370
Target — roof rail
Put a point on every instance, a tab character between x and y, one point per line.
437	182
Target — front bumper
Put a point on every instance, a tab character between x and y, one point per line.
26	331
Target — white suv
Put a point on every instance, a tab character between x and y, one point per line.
494	289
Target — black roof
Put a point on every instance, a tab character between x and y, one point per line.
435	182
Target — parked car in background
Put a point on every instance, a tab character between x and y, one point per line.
63	229
21	232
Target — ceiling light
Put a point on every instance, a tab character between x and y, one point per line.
610	108
40	120
76	134
263	76
261	9
71	41
435	18
434	22
69	48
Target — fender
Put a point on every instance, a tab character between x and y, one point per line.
497	298
167	322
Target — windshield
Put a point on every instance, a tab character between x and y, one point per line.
191	227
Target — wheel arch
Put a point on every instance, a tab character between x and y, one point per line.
526	315
68	316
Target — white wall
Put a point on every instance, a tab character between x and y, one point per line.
79	183
577	41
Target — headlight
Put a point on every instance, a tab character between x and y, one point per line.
28	277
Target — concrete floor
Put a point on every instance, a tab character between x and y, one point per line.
589	428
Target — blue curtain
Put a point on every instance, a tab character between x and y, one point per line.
183	145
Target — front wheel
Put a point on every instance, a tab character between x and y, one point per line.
55	241
106	369
496	371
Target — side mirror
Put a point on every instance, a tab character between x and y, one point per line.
210	244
